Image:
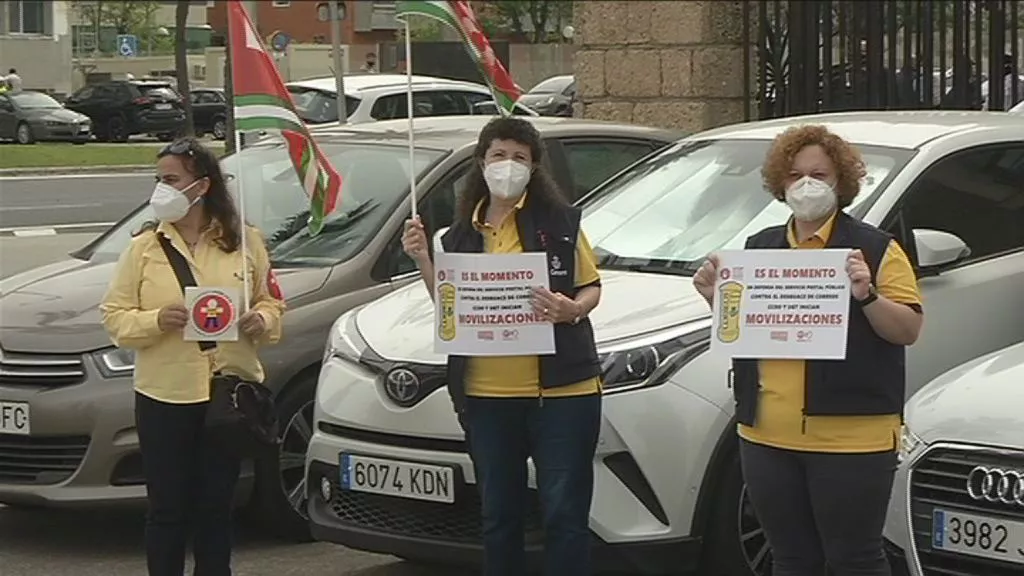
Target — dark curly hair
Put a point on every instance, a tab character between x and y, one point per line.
540	191
848	163
201	162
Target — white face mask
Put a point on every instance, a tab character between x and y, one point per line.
811	199
506	179
170	204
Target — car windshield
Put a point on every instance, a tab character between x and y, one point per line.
375	178
668	212
34	100
552	85
162	92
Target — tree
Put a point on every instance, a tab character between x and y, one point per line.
135	17
181	62
544	18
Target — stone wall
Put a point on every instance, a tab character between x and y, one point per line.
661	62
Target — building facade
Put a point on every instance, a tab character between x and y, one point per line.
364	22
35	40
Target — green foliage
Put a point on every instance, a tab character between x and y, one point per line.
122	17
544	18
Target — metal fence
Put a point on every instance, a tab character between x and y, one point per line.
809	57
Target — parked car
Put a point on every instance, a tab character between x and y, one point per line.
27	117
958	500
552	97
1019	108
209	112
371	97
57	365
669	496
120	109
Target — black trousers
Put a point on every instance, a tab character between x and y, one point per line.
190	485
821	509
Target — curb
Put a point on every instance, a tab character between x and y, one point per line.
53	170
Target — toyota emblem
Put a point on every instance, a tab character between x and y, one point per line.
996	485
402	386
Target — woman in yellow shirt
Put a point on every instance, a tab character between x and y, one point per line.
547	408
190	480
818	438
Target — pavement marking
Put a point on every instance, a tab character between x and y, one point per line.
138	174
53	230
49	207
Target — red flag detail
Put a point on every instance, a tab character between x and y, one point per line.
273	287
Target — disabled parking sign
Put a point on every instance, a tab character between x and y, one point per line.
212	314
128	45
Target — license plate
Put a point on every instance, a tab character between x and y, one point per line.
162	106
401	479
975	535
14	418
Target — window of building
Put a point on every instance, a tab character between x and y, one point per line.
27	17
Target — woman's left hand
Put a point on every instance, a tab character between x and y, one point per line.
860	275
252	325
555	307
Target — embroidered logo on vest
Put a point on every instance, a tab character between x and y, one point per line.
556	267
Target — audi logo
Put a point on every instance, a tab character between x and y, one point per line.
996	485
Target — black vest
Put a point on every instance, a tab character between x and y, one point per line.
553	231
872	378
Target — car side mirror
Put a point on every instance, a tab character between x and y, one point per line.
937	250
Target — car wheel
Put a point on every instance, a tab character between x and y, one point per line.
281	481
24	134
117	129
165	136
736	543
220	128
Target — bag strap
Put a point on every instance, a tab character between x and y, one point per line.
183	273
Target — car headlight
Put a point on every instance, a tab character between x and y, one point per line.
115	362
651	361
344	340
909	443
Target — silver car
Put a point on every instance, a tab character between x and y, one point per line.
373	97
27	117
958	500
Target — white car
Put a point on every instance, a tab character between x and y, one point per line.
371	97
958	499
668	493
1019	108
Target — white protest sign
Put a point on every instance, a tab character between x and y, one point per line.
482	305
782	304
212	313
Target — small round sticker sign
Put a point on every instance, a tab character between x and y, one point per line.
213	313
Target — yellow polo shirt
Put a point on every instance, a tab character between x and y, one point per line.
167	368
519	376
780	419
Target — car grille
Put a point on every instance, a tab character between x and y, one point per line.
939	479
458	522
40	460
17	369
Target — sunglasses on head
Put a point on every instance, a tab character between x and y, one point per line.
183	147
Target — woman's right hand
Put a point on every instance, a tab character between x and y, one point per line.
704	279
414	240
172	317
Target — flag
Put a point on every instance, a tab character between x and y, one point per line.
459	15
263	103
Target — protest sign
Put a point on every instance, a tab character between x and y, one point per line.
483	305
781	304
212	314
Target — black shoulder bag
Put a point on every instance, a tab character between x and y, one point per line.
241	416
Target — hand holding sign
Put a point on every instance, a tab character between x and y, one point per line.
172	317
252	324
860	275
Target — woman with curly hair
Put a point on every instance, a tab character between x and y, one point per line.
514	408
819	438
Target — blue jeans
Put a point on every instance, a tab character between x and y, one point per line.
560	435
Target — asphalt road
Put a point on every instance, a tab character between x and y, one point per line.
35	542
62	200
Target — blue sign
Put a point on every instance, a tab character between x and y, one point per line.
279	41
128	45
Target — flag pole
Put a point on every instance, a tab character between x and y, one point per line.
240	202
408	105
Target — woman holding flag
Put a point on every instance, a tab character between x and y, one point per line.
190	476
514	408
